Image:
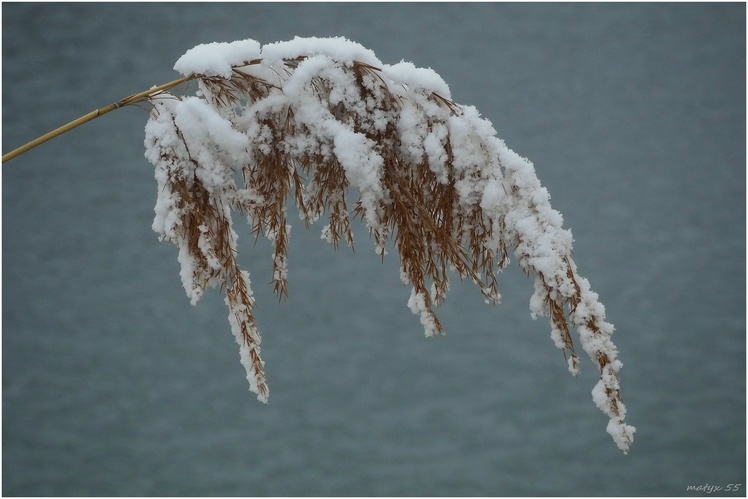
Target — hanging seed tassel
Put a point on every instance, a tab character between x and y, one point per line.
312	119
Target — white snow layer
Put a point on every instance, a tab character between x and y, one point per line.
217	58
197	139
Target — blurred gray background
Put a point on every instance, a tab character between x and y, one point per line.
634	116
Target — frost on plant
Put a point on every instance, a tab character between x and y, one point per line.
312	120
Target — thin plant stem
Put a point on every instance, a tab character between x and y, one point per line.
132	99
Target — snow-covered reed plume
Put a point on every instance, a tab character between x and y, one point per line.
313	119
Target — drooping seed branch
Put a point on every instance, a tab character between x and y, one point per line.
311	120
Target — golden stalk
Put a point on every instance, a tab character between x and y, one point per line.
132	99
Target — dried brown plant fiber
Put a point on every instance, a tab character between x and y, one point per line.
311	129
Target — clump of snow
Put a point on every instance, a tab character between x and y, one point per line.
217	58
338	48
417	305
623	434
415	78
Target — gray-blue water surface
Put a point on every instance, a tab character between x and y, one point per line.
634	116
